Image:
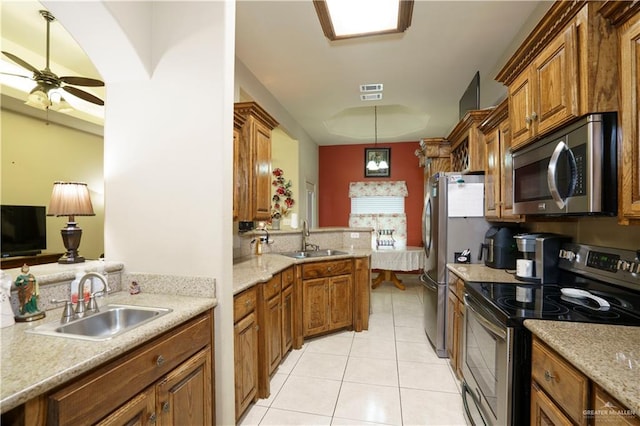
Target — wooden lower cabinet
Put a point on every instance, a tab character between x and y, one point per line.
455	323
567	387
544	412
245	349
288	310
609	411
168	381
181	398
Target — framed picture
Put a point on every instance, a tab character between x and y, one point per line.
377	155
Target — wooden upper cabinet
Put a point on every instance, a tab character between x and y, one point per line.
467	146
252	171
626	16
566	68
498	168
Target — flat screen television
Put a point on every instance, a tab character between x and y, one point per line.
24	230
470	99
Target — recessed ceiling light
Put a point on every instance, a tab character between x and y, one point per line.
341	19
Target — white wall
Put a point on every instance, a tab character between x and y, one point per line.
168	144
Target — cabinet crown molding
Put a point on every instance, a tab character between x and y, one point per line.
251	108
553	22
497	116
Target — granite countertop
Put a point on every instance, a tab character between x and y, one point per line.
480	272
607	354
251	270
34	364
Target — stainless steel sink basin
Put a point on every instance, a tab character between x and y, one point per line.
313	253
111	321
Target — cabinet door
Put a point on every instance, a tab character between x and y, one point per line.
287	320
521	108
184	396
452	302
609	411
492	175
138	411
630	118
556	82
262	171
315	309
543	411
460	317
362	294
506	173
246	362
273	330
236	176
341	301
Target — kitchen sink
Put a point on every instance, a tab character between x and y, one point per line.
313	253
111	321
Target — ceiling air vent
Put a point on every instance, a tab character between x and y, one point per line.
364	88
371	97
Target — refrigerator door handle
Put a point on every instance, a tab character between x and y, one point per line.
430	285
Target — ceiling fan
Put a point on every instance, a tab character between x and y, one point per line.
49	83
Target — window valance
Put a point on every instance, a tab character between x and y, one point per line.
378	189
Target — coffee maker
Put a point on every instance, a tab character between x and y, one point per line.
538	257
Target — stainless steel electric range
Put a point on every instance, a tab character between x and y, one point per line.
595	285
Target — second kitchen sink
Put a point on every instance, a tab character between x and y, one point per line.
313	253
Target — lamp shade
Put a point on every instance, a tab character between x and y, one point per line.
70	199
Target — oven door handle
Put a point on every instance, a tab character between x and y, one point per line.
488	325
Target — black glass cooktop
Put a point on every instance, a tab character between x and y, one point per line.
513	303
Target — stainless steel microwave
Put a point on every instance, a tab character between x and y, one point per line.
570	172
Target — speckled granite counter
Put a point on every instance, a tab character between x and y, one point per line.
251	270
480	272
33	364
596	350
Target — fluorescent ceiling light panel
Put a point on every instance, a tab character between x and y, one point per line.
342	19
371	97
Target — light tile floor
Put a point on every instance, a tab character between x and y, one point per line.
388	375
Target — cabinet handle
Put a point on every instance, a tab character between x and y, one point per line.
548	376
528	119
534	116
159	360
329	269
152	418
165	407
247	303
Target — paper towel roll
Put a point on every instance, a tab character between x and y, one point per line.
294	220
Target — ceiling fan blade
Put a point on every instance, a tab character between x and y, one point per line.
82	81
83	95
20	62
17	75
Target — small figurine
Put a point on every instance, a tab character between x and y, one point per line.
28	293
134	288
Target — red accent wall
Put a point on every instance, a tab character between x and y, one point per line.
341	164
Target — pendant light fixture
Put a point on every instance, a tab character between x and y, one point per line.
375	163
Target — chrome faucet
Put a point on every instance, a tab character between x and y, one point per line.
92	305
305	234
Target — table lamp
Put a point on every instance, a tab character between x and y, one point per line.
70	199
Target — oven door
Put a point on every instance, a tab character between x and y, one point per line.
487	365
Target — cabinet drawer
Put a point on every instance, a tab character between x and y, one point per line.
288	277
560	380
326	269
271	287
113	384
243	304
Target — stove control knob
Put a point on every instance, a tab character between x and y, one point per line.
567	254
623	265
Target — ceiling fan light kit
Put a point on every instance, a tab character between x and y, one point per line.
49	87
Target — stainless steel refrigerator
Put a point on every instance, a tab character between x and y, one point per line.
452	222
